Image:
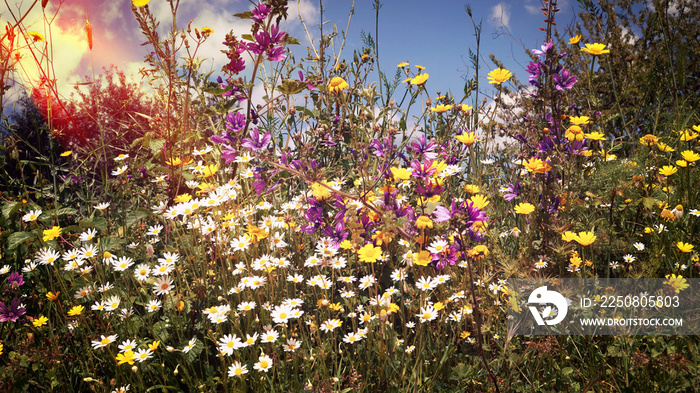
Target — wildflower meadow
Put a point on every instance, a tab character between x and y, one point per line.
312	219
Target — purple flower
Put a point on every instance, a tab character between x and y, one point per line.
256	142
449	256
545	145
337	233
267	42
225	137
13	312
513	191
260	12
314	215
236	65
236	48
565	80
327	140
471	213
545	48
553	204
381	148
535	71
276	53
15	280
424	147
229	88
441	214
308	84
422	171
235	121
259	186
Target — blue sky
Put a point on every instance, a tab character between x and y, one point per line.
434	34
438	35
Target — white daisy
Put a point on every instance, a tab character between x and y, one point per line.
237	369
163	286
264	363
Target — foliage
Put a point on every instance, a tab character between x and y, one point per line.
351	231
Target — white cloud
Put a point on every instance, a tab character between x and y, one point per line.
57	58
629	36
218	16
500	15
499	115
302	9
533	8
111	13
222	23
674	7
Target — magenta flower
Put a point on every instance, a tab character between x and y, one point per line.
15	280
441	214
236	65
545	48
308	83
269	43
260	12
256	142
13	312
424	147
565	80
422	171
235	121
535	71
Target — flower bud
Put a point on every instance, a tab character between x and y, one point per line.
678	212
515	231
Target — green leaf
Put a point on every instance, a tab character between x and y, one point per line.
160	331
111	243
290	87
469	87
289	40
459	371
9	209
195	351
63	211
156	145
97	222
567	370
214	90
136	216
244	15
157	387
649	202
248	37
17	238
